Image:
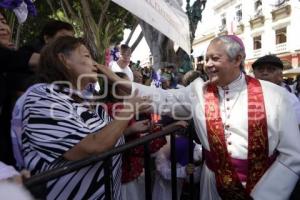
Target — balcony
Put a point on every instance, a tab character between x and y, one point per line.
220	3
280	48
256	53
282	11
257	21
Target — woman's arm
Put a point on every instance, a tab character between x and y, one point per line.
138	127
53	128
107	137
99	141
122	84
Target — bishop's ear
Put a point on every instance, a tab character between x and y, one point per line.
238	59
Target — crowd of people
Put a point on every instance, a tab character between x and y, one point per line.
246	129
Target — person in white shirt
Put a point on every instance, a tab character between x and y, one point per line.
269	68
122	65
248	128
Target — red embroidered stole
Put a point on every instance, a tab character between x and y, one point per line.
228	183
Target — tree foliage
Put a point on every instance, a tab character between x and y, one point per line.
100	22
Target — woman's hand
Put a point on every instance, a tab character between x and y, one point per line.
108	73
121	84
139	126
190	169
138	104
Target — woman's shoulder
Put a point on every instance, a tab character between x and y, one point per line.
37	90
43	92
29	99
47	91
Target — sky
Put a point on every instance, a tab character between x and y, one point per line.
142	51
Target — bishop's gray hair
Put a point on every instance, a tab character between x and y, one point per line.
233	48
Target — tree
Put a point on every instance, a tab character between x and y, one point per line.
100	22
30	29
162	48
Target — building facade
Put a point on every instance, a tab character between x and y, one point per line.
265	26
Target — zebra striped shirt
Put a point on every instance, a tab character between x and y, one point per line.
52	124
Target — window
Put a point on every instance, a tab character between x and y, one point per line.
239	13
257	42
258	8
223	23
278	3
223	20
280	35
257	5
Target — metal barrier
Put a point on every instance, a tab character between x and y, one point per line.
44	177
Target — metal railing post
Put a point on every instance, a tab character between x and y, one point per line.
173	167
107	179
147	167
191	160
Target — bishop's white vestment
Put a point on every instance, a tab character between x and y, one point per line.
283	133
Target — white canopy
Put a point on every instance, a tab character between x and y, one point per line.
164	15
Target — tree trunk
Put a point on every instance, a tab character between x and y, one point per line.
160	46
131	33
137	41
90	29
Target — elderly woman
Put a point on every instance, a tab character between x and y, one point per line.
60	124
